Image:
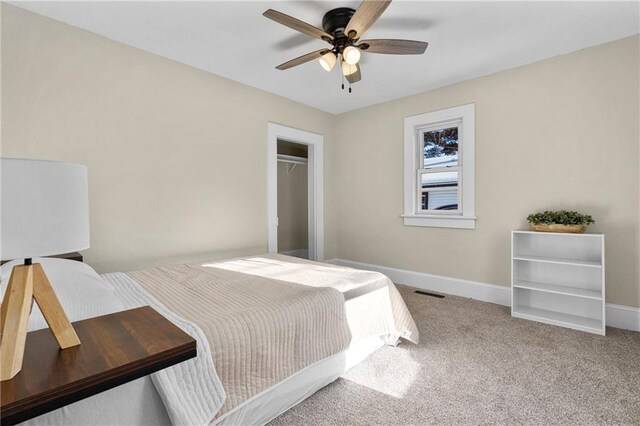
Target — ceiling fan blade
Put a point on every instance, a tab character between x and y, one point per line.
298	25
302	59
366	15
393	47
355	77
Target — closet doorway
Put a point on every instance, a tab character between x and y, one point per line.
293	212
294	172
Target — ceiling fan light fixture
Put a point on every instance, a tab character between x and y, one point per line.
351	55
328	61
348	69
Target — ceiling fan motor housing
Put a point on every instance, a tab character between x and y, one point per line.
334	22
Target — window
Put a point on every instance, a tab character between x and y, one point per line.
439	173
439	168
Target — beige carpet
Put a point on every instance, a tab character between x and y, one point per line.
477	365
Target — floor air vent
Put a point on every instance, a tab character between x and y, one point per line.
426	293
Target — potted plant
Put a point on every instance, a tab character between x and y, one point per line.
560	221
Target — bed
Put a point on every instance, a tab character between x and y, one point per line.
271	331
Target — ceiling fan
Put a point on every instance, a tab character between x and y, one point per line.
342	29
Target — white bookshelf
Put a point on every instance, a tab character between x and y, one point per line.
558	279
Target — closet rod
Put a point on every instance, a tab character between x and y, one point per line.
292	159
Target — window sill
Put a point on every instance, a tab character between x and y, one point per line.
440	221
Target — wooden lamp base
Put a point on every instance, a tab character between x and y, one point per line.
29	282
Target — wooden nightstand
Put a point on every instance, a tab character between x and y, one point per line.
115	349
71	256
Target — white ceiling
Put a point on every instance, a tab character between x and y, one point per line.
466	40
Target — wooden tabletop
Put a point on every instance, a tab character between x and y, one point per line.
114	349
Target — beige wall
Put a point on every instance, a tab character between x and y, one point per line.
561	133
292	207
177	169
176	156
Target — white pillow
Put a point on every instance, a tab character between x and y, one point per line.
82	292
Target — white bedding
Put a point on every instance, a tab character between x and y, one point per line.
81	291
134	403
191	392
374	307
269	404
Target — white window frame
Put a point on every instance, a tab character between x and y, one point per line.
414	126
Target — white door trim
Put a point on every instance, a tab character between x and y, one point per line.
315	169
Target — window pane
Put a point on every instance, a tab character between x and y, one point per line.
439	191
440	147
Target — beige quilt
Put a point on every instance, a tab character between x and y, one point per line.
267	317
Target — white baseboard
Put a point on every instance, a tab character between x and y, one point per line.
625	317
617	316
454	286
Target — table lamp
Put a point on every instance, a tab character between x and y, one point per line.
44	211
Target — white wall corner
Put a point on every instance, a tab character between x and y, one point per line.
617	316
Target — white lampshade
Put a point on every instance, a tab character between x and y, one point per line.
44	208
328	60
351	55
348	69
